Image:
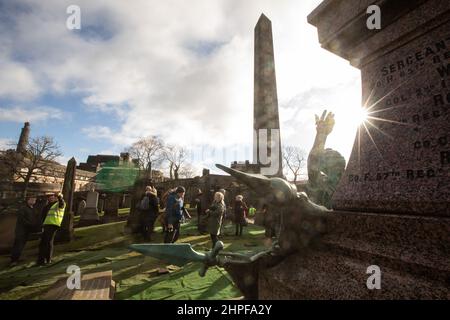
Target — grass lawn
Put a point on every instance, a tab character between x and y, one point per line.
104	247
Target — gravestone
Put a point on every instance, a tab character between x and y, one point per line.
126	201
392	203
66	232
81	207
90	213
101	203
112	204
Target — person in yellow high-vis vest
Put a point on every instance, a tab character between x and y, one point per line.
53	214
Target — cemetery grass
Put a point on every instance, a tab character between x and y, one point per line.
104	247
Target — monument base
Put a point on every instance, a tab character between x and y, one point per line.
411	252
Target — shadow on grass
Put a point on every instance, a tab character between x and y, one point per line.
104	247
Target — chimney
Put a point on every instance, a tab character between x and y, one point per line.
23	140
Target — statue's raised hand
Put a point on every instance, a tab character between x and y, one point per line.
325	124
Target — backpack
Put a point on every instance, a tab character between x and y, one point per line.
144	204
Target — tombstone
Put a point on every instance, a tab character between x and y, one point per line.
66	232
101	203
81	207
392	203
112	204
90	213
126	201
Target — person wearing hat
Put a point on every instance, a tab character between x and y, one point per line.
26	221
174	213
149	211
53	213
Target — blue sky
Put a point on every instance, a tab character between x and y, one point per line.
179	69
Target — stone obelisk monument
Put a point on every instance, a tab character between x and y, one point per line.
266	119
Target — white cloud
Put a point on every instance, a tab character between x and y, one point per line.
17	81
150	67
31	114
6	143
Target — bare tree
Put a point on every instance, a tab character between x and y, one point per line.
38	158
294	159
149	152
176	156
187	171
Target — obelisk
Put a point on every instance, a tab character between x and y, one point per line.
266	120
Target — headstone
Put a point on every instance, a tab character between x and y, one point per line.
265	96
94	286
112	204
90	213
66	231
81	207
126	201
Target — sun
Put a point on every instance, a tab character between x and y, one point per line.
361	115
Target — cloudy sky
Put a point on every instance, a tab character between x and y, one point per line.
179	69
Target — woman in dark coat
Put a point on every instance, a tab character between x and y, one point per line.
215	215
240	208
149	212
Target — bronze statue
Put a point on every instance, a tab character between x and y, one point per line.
325	166
301	225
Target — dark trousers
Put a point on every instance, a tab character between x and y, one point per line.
19	244
214	239
46	244
148	224
239	227
172	236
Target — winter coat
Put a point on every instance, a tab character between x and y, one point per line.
152	212
26	220
215	215
174	207
239	212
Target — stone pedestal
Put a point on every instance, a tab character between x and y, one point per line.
412	259
392	203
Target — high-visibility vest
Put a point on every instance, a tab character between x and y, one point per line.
55	215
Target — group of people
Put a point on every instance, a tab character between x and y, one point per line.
175	213
171	219
31	218
49	219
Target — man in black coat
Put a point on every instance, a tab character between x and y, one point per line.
25	225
